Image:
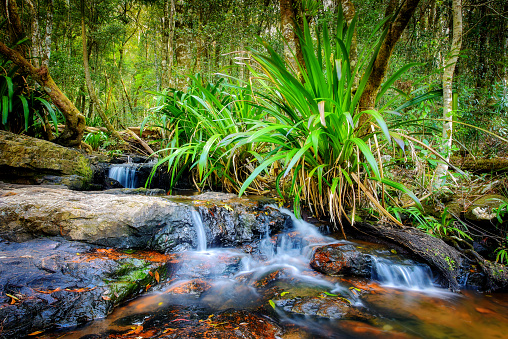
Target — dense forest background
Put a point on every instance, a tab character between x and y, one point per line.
339	106
137	48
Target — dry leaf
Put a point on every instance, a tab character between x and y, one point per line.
157	276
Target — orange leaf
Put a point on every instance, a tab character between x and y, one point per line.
148	286
151	274
35	333
105	297
137	330
157	277
484	310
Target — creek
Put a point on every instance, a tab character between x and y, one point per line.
268	289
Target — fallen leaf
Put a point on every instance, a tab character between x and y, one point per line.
148	286
80	290
35	333
105	297
157	277
136	330
484	311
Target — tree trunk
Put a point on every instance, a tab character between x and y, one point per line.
75	122
291	14
449	68
88	79
395	29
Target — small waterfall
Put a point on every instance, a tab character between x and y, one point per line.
200	230
401	275
125	174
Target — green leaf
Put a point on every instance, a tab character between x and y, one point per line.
368	155
258	170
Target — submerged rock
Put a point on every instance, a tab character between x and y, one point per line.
341	259
54	282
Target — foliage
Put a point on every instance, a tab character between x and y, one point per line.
22	111
311	129
195	122
444	227
96	140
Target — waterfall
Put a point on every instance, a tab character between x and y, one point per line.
125	174
200	230
403	275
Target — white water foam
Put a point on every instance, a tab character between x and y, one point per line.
200	230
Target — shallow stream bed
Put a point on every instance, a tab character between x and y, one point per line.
269	290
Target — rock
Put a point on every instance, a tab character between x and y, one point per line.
484	208
25	159
47	282
130	221
341	259
326	307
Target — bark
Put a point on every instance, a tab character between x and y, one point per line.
73	132
88	79
47	37
291	14
449	69
15	27
376	78
36	37
349	11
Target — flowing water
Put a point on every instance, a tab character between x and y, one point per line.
125	174
269	290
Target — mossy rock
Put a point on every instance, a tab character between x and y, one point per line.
485	208
25	157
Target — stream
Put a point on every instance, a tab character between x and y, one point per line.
268	289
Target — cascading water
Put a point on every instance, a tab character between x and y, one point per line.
200	230
276	273
125	174
404	275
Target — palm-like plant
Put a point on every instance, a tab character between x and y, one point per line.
196	121
315	138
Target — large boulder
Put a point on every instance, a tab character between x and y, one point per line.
25	159
131	221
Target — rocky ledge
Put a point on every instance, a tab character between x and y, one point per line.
69	257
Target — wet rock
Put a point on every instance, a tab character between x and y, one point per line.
232	222
341	259
47	282
326	307
195	286
25	160
192	265
132	191
131	221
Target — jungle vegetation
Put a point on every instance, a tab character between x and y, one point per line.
346	108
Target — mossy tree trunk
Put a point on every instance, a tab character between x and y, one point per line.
448	110
75	121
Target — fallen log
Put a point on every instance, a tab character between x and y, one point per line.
447	260
481	165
